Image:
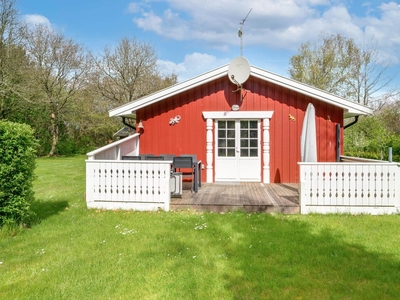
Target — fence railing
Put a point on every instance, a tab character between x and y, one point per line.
115	150
113	184
350	187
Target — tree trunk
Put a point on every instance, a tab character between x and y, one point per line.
54	127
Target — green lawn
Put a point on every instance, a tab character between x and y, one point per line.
76	253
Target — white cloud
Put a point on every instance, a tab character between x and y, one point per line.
193	65
217	22
36	20
133	7
150	22
281	24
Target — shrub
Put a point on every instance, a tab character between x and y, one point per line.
17	164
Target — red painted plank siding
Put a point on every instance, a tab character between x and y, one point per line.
189	136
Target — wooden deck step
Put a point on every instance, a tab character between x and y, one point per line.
250	197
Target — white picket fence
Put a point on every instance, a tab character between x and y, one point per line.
112	183
142	185
350	187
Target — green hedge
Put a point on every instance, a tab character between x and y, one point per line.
17	164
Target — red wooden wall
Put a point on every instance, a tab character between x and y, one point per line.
189	136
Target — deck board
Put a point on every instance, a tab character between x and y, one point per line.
247	196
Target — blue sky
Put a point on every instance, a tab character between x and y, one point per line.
192	37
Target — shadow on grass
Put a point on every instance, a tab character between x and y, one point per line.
287	259
46	209
259	256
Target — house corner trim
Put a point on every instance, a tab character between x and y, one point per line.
209	150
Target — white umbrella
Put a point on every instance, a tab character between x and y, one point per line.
308	138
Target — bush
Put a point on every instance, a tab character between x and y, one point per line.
17	164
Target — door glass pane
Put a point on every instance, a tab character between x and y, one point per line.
249	138
231	143
253	143
231	124
226	139
231	153
221	143
253	124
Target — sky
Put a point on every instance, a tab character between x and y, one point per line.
192	37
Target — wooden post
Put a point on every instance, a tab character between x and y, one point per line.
266	150
209	150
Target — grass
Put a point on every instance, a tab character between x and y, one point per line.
76	253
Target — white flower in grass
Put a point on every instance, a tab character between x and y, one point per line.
40	252
127	231
200	227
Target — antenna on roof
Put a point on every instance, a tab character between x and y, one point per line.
240	32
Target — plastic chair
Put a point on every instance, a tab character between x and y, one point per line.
183	164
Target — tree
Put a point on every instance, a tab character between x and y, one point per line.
60	69
338	65
12	60
368	138
129	72
390	116
91	126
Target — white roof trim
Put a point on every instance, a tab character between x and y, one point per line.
351	108
129	108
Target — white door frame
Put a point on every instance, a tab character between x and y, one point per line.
210	116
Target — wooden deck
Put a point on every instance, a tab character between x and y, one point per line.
250	197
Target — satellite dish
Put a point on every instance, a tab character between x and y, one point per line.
239	70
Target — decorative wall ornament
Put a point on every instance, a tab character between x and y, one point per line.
175	120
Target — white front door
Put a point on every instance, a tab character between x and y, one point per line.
237	154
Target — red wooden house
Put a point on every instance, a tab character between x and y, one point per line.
249	134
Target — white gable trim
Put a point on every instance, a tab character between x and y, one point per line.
130	108
351	108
